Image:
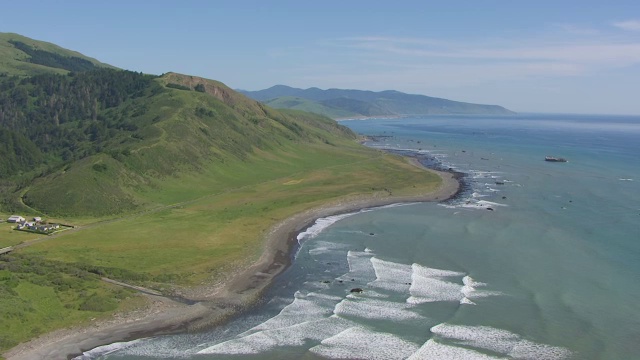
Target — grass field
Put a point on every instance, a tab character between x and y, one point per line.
203	225
10	237
194	239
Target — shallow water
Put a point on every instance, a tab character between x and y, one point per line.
550	272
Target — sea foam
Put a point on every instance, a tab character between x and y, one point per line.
106	350
361	343
303	308
391	276
498	341
375	309
296	335
434	350
321	224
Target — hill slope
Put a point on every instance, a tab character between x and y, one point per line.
338	103
20	55
173	181
116	133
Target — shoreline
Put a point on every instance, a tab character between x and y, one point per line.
215	304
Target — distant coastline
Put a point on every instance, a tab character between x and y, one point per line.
215	304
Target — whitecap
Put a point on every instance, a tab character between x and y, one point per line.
295	335
375	309
304	308
106	350
466	301
499	341
321	224
364	344
426	289
435	350
360	267
391	276
421	270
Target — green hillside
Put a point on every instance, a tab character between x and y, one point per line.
20	55
340	103
129	132
171	181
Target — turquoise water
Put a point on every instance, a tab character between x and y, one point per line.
550	272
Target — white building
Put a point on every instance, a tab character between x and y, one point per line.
15	219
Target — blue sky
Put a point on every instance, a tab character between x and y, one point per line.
529	56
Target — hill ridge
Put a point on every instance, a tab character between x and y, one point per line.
17	54
335	102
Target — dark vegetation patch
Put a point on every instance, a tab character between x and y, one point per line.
46	58
178	86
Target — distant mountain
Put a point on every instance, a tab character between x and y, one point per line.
22	56
339	103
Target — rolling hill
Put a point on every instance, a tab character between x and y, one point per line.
115	133
20	55
339	103
172	181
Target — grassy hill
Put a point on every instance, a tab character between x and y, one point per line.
180	132
297	103
173	181
340	103
20	55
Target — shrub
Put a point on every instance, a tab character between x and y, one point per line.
178	86
101	167
98	303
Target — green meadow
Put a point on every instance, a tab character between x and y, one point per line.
196	228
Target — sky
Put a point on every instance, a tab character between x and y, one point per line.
529	56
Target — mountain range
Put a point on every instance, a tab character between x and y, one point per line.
339	103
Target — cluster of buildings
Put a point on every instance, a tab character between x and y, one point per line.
36	224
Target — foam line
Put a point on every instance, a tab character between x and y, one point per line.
437	351
466	301
391	276
360	266
362	343
297	335
375	309
424	290
304	308
499	341
432	272
427	285
527	350
105	350
321	224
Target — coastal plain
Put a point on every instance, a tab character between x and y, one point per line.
209	248
176	190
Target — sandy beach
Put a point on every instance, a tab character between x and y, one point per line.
216	303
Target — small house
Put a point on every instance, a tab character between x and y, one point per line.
37	219
15	219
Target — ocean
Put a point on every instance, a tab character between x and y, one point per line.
534	260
